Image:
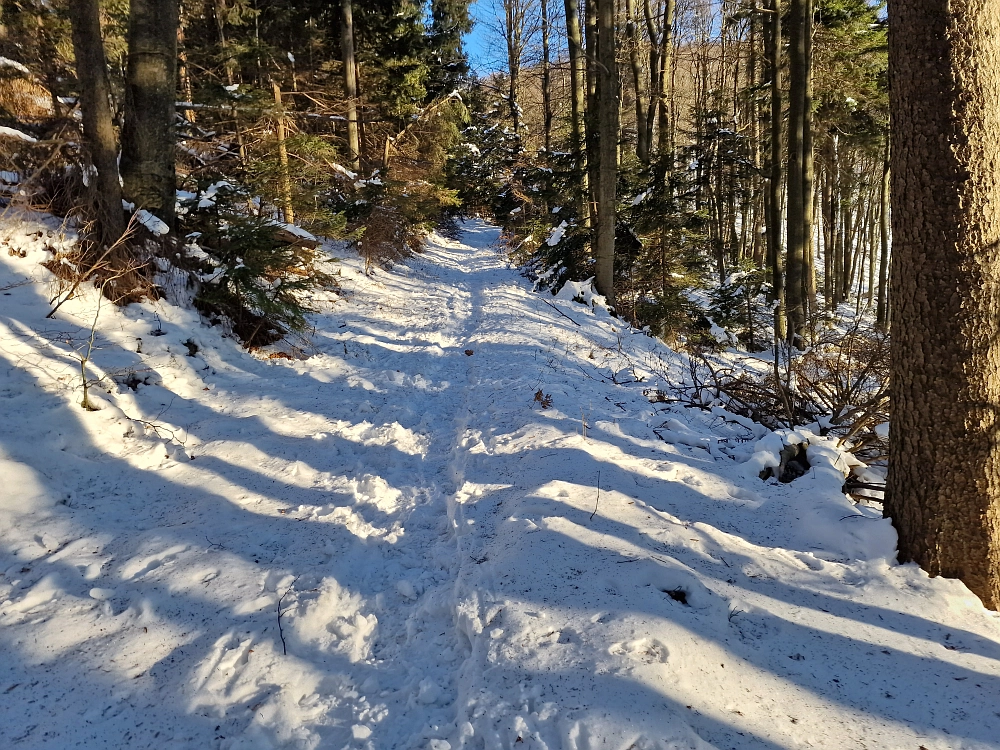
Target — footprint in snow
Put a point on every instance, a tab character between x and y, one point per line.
809	560
748	497
643	650
409	589
204	576
140	566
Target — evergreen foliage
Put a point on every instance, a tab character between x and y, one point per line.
259	281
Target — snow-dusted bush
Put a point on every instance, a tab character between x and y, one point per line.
740	305
255	272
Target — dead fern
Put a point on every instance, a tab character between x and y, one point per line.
543	399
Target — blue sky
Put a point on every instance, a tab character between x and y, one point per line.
477	43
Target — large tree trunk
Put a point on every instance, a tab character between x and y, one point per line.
147	162
943	492
98	123
773	197
607	97
350	83
799	171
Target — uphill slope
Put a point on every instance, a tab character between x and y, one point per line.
460	523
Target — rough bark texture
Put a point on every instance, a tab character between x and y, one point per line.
577	76
607	97
220	28
653	66
184	73
147	162
882	310
943	492
513	33
350	82
639	84
808	173
288	212
592	126
775	252
666	84
546	78
799	200
98	124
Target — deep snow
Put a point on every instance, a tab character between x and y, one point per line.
455	566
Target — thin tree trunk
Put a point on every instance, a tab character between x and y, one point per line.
577	76
183	73
872	258
858	240
799	182
775	252
809	283
943	490
546	78
219	11
840	238
350	83
593	115
639	84
666	85
847	221
754	82
49	59
285	178
829	229
513	33
717	199
148	140
882	307
604	250
653	31
808	176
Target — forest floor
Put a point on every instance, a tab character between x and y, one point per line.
459	523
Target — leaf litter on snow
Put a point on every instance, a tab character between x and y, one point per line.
394	544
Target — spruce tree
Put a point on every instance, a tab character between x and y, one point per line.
943	492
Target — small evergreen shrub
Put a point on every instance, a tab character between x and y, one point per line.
740	305
251	272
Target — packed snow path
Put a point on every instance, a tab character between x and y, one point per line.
449	561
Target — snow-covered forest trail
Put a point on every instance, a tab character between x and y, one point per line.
456	563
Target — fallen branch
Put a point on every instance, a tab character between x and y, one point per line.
850	486
598	496
281	632
561	312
